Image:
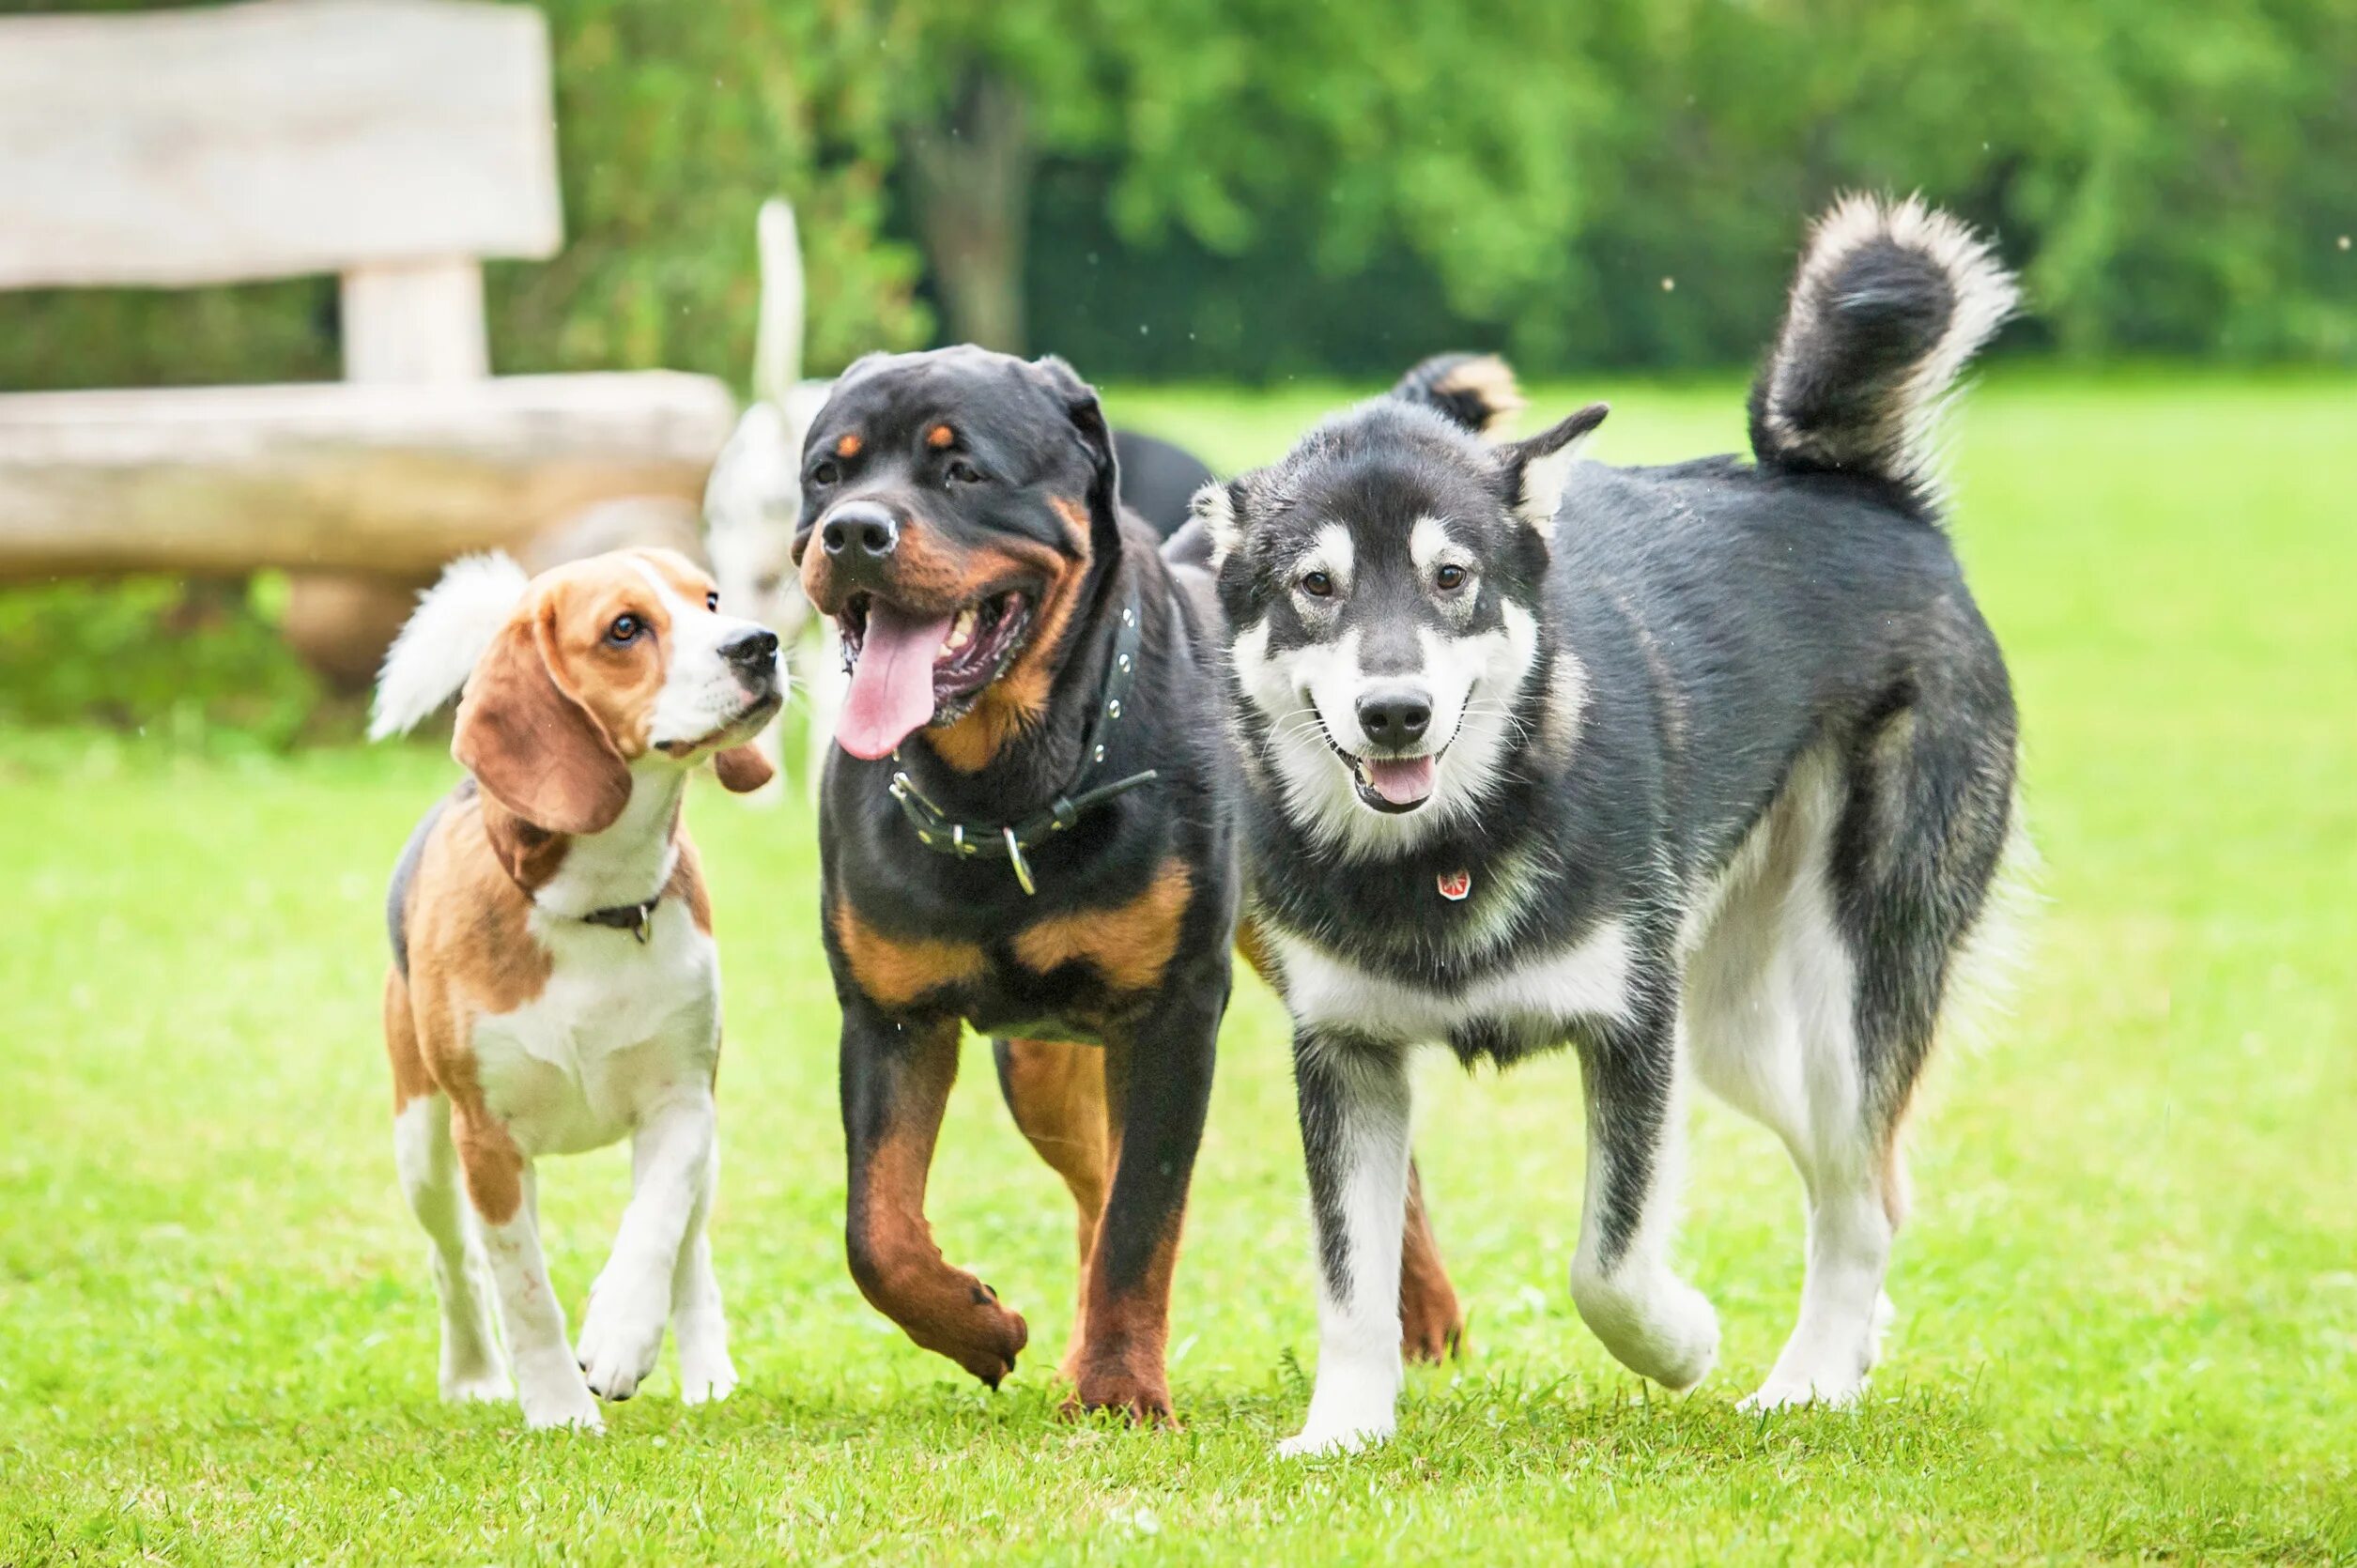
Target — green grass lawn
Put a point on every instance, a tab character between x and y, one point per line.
2128	1299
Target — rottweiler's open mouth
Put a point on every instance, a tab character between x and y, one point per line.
909	670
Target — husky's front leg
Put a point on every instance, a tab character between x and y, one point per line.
1355	1102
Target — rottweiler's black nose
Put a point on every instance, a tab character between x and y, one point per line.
754	650
1394	716
859	530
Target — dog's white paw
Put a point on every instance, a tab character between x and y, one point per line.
485	1386
622	1333
1659	1326
556	1397
1319	1438
705	1375
1785	1392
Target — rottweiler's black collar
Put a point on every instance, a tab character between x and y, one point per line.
1008	840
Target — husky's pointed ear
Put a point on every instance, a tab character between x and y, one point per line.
1214	507
1088	419
1533	471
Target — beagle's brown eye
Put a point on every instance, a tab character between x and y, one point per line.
1448	579
624	631
712	600
960	471
826	472
1317	585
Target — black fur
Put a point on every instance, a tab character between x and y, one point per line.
1036	430
1701	634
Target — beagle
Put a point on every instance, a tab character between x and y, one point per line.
554	984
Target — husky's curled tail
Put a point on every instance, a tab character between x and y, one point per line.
1890	301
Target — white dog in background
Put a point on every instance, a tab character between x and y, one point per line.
754	496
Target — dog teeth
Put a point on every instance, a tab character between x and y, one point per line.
961	632
1366	772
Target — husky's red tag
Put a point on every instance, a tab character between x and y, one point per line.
1456	886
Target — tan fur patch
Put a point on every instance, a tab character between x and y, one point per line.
1075	518
1431	1323
849	446
1121	1362
1018	700
409	1078
687	883
1057	1094
897	970
939	437
1130	945
471	953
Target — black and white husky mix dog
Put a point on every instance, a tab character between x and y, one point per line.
1707	767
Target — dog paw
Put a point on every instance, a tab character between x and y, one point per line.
707	1375
1145	1400
1781	1392
622	1335
484	1387
1322	1438
558	1400
985	1339
1660	1328
1433	1338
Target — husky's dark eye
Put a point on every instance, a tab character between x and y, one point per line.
1448	579
624	631
1317	585
960	471
712	601
826	472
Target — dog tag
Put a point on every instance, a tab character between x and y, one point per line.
1456	886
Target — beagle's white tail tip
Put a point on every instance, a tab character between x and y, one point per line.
446	638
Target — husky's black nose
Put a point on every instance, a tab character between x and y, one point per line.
755	651
1394	716
859	532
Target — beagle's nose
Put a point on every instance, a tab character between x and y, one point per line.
753	651
1395	716
859	530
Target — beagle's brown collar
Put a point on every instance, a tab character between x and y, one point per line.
634	918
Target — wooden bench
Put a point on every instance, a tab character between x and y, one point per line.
394	143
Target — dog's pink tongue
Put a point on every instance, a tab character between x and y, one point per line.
1402	782
892	684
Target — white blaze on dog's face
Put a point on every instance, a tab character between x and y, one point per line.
1384	581
603	664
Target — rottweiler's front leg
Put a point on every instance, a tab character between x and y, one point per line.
896	1080
1159	1081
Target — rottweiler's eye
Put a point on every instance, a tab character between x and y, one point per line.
960	471
712	600
1317	585
1448	579
826	472
624	631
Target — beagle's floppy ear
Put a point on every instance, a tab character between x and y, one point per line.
531	745
1534	472
742	769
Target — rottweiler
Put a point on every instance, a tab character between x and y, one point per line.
1028	824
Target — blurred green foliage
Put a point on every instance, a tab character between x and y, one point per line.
1255	188
188	666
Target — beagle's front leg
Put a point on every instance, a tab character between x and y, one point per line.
499	1185
670	1154
896	1079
